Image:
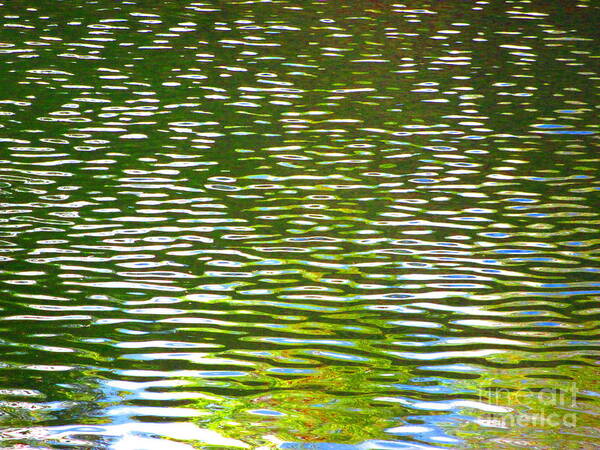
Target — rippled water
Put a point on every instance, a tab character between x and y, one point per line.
278	224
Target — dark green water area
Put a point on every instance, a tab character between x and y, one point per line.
299	224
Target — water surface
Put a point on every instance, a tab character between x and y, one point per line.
279	224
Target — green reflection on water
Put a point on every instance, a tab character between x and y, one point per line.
246	224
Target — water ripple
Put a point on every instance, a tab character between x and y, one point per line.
280	225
